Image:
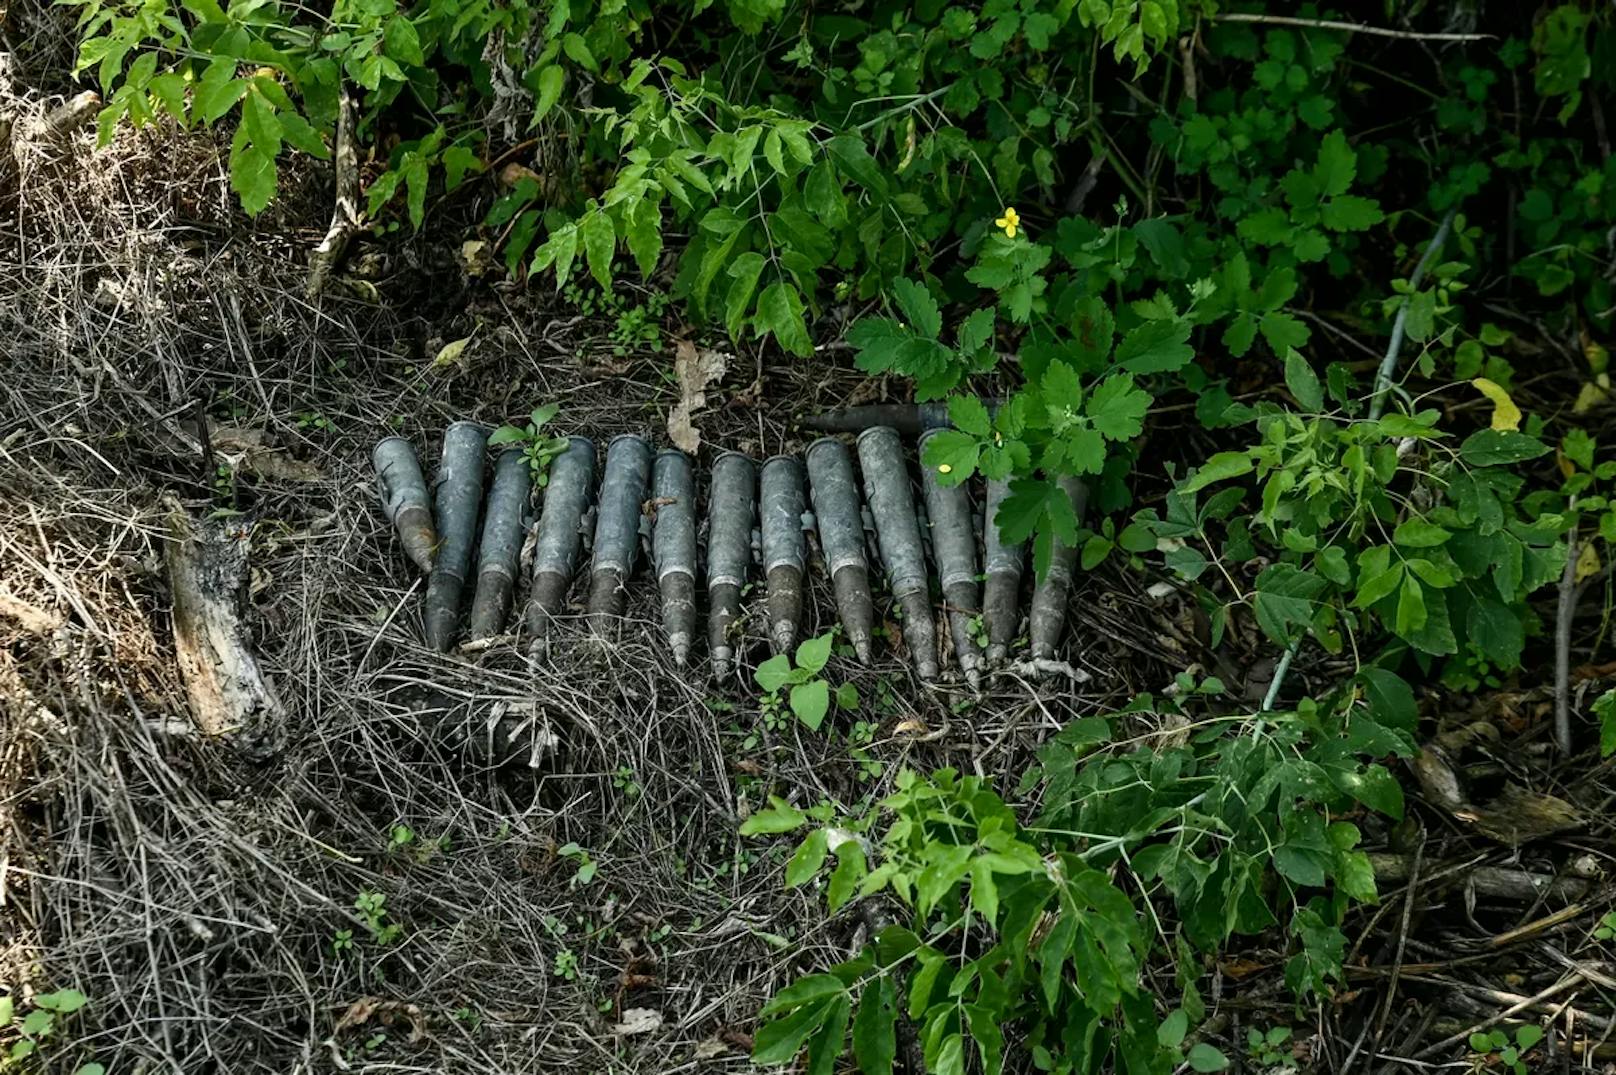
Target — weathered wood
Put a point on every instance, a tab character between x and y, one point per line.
230	697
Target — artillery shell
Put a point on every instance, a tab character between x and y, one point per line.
841	536
673	542
785	549
953	545
1001	597
909	419
405	500
892	503
504	526
458	494
566	498
623	486
729	551
1048	616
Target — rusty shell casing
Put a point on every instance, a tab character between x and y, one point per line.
1003	564
567	496
897	529
953	546
783	502
623	487
405	500
458	494
673	545
731	504
1049	598
499	556
837	514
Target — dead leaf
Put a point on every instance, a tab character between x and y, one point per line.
1506	416
1588	564
694	370
449	354
710	1048
638	1021
278	466
387	1012
33	620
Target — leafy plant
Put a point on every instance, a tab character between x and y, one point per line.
809	696
1270	1049
372	908
538	446
39	1027
1511	1053
584	866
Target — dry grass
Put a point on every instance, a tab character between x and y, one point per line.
199	901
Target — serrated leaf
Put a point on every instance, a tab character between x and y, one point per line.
875	1038
578	52
1156	347
1350	212
976	331
600	241
252	177
970	415
918	306
744	272
1118	409
1337	164
780	312
952	455
550	80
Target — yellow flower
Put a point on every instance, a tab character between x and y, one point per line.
1009	222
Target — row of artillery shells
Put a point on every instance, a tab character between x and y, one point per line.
753	513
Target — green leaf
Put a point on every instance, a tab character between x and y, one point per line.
1204	1057
918	306
643	222
300	134
809	858
217	92
1390	698
826	1044
1494	447
252	177
773	673
976	331
1418	534
1496	630
952	455
850	872
600	240
550	81
813	653
38	1023
744	272
780	1040
850	154
65	1001
875	1037
1118	409
401	42
1411	612
1303	382
507	434
1299	864
578	52
780	311
1337	165
1286	599
970	415
1156	347
1221	467
811	701
780	817
1172	1030
1351	213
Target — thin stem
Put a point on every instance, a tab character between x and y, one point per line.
1388	365
1347	27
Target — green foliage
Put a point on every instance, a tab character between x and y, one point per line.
799	685
1510	1052
40	1028
1137	852
538	446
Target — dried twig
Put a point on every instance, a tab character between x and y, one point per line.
1346	27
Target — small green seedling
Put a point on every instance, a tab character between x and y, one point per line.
1606	930
537	445
809	696
1511	1053
1269	1050
586	867
372	907
37	1027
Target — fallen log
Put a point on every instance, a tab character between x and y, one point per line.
230	697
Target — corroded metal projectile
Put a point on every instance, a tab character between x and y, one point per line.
1048	617
498	557
567	496
673	544
953	546
909	419
1001	595
841	536
623	487
892	503
783	502
458	495
730	507
405	500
